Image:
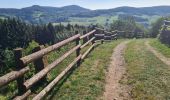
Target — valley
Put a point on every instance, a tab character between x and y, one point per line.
74	14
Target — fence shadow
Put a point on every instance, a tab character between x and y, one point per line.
63	80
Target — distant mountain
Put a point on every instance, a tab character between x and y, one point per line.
44	14
36	13
157	10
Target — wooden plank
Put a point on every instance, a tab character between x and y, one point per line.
99	29
114	35
99	34
107	36
115	31
121	31
24	96
6	79
86	38
96	41
43	72
166	22
84	45
40	64
36	55
92	32
108	32
56	80
88	51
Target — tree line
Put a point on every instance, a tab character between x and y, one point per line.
17	33
129	26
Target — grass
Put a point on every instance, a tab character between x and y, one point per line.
86	77
90	20
103	19
87	81
164	49
7	92
147	75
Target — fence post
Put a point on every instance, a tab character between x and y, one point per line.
86	38
102	40
90	36
116	32
78	50
40	63
93	35
19	66
112	37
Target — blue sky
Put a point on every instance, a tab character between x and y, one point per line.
91	4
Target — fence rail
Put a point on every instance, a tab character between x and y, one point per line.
42	69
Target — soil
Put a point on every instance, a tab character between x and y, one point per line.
114	90
158	54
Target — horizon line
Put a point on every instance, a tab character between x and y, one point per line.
83	7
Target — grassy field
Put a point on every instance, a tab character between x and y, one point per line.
148	77
91	20
103	19
164	49
87	81
7	92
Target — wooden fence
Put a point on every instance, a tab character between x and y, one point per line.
38	57
165	33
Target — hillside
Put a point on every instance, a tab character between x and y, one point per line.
76	14
144	15
36	14
157	10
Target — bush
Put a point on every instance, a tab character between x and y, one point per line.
30	47
8	63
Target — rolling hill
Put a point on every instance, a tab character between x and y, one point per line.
43	14
76	14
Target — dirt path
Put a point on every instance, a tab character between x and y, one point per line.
158	54
113	89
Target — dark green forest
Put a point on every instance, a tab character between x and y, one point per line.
15	33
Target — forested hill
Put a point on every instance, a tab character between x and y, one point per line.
38	13
44	14
157	10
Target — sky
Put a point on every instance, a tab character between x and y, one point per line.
91	4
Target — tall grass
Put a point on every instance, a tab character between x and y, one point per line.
164	49
87	81
147	75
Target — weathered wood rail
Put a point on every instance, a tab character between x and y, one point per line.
165	33
43	68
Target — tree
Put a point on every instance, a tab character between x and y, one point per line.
156	26
128	25
14	33
52	34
